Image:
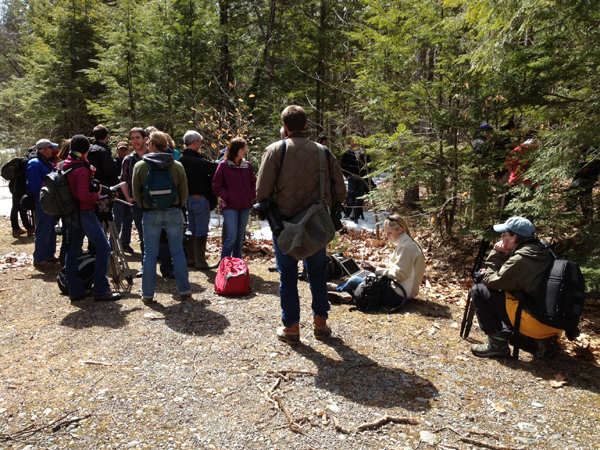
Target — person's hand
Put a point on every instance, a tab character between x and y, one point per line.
500	247
367	266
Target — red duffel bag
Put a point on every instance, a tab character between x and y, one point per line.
233	277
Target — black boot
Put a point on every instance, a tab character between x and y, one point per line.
495	347
200	248
191	252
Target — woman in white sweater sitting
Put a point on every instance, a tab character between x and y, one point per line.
406	265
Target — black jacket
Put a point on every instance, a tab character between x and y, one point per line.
100	157
199	172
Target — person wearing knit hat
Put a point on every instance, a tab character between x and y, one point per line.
83	222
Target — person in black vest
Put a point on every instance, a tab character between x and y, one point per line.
18	187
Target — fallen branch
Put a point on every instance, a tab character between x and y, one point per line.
275	386
386	419
66	423
487	445
302	372
484	433
96	363
338	427
293	426
266	396
28	430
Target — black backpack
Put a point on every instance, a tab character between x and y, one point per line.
86	265
370	294
560	299
9	170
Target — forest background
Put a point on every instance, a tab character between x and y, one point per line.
410	80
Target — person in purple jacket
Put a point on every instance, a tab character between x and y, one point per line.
83	222
235	183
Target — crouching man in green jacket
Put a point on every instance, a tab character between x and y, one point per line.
514	268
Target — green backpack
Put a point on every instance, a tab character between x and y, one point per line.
159	190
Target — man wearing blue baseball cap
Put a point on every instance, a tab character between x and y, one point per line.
514	269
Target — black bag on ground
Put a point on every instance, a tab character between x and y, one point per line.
370	294
86	265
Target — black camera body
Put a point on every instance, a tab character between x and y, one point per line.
267	210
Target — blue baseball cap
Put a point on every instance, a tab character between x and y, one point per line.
517	225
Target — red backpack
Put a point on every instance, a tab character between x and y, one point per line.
233	277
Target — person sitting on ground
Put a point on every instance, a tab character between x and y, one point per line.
514	268
406	266
83	222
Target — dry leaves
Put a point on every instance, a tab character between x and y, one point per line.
560	380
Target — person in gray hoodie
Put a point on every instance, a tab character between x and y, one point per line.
157	215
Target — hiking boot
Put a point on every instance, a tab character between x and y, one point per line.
81	296
290	335
186	297
148	301
42	265
200	253
495	347
30	232
320	327
191	252
547	348
18	232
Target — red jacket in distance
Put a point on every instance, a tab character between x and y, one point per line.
79	182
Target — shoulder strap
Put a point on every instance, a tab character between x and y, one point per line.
321	171
283	153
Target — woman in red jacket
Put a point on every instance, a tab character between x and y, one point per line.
83	222
235	183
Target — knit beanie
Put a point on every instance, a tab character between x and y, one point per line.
80	144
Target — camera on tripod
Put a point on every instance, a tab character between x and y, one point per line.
267	210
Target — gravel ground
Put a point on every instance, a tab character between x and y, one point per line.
209	374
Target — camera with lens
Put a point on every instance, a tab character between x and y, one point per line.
336	216
267	210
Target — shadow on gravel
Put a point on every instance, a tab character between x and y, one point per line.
192	317
360	379
581	373
97	314
425	308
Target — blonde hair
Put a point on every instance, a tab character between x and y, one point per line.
395	222
159	140
170	141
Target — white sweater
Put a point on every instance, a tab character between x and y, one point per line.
406	265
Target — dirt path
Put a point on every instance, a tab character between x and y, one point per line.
209	374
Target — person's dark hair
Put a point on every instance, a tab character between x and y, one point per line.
294	117
520	239
151	129
321	139
159	140
235	145
100	132
138	130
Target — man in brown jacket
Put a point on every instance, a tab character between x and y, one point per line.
289	175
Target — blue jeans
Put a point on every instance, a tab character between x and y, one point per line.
198	211
45	235
392	298
123	220
235	221
287	266
91	228
153	222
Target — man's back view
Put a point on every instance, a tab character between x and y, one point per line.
289	175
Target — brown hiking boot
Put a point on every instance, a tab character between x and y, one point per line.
291	334
331	287
321	329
